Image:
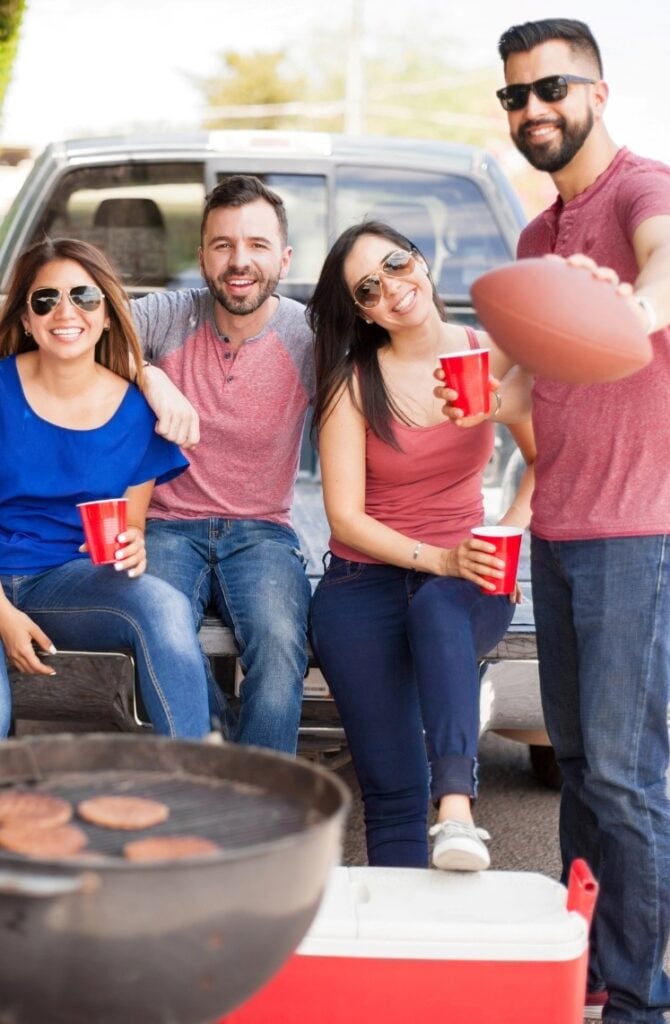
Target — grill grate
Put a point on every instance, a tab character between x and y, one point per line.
231	814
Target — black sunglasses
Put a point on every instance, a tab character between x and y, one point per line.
398	263
86	297
550	90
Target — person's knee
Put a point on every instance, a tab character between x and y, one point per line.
159	609
275	697
438	608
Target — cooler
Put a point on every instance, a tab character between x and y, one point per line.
397	945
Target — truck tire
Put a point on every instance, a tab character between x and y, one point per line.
545	766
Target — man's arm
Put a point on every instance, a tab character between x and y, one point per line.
176	418
651	243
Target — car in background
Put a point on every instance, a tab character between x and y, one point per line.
140	199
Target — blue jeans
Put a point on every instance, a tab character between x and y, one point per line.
81	606
400	651
252	574
602	612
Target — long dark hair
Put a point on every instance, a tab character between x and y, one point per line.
115	346
344	343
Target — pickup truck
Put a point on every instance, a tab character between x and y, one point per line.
140	199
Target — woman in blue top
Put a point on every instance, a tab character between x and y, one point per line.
73	429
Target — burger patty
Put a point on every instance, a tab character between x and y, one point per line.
169	848
123	812
37	841
40	810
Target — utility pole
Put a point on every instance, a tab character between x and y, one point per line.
354	84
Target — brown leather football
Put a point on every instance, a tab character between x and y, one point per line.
561	322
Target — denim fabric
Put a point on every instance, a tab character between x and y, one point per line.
81	606
602	612
399	650
252	574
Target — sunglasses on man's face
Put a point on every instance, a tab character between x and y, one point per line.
398	263
550	90
86	297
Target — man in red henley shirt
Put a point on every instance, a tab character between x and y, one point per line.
600	551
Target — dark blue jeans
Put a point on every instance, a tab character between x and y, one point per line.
81	606
253	574
602	612
399	650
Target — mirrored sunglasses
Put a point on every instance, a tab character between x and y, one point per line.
86	297
398	263
550	90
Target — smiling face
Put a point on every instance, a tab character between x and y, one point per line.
551	134
242	257
66	332
405	301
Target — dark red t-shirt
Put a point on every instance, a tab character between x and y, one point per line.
604	449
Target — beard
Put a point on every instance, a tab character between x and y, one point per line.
552	156
245	304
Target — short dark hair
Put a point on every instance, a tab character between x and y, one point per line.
240	189
577	34
116	345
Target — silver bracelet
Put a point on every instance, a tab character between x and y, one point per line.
417	548
498	398
645	303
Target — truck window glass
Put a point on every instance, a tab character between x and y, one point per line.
145	216
446	216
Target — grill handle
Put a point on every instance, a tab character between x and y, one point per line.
42	886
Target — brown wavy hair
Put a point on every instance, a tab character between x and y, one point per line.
117	349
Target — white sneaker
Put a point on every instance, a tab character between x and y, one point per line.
460	846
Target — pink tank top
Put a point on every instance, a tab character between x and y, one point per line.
430	490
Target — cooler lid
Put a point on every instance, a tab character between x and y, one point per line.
405	912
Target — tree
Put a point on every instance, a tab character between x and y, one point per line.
247	84
413	91
11	13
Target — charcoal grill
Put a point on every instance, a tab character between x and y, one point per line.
100	938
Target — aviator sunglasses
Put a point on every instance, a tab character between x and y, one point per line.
398	263
550	90
86	297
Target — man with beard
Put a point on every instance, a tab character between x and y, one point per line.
243	357
600	551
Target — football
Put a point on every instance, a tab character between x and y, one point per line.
561	322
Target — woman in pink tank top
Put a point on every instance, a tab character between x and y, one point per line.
400	618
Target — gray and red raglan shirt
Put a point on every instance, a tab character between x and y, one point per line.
251	405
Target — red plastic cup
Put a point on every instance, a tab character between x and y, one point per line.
468	373
507	540
103	521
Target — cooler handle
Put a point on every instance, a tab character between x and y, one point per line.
582	889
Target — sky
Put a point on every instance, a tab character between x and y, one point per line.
90	68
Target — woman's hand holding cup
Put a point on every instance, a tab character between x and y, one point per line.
451	408
474	560
132	557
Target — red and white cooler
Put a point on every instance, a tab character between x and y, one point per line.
399	945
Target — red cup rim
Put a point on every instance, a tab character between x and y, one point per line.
496	531
100	501
465	352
